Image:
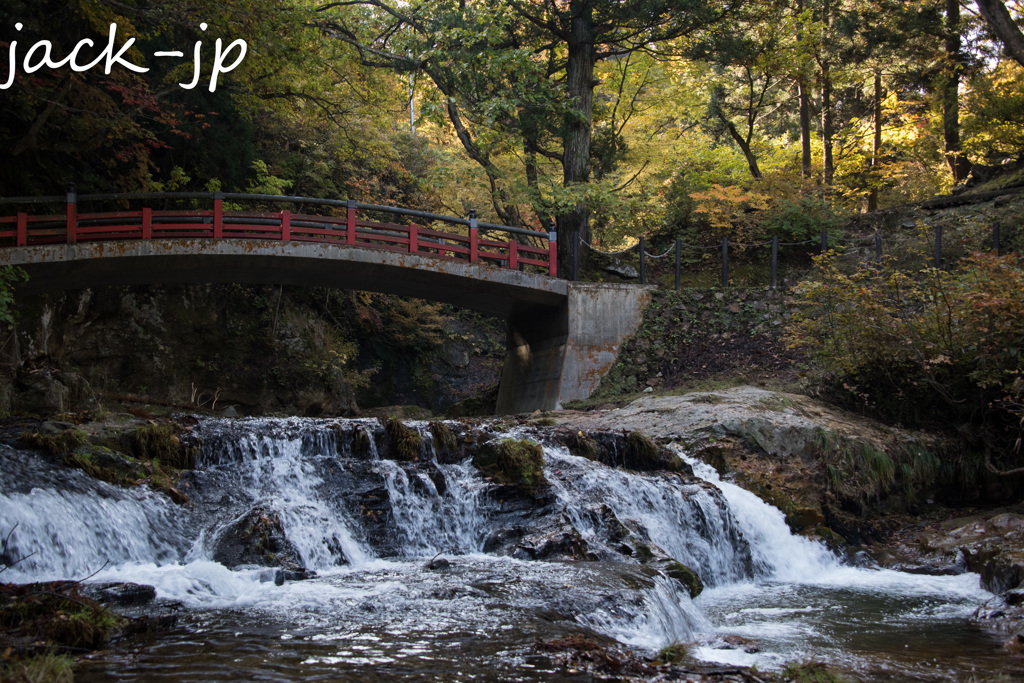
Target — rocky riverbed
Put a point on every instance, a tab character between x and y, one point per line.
603	533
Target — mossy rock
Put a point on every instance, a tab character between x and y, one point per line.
404	441
581	445
685	577
517	462
362	441
803	518
445	442
61	443
161	442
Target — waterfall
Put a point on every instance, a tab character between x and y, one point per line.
326	492
62	524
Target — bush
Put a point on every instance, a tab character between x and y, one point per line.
925	347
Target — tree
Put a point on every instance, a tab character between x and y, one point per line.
1006	29
562	41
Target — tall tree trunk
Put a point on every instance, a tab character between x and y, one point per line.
805	130
828	165
959	167
1006	29
805	110
876	147
574	224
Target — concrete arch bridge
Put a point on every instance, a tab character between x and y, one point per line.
563	336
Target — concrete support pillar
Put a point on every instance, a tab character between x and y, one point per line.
559	355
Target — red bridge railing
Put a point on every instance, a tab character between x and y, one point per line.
325	221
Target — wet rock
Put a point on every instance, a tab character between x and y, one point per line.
230	411
120	593
553	538
256	538
685	577
623	270
629	450
864	560
740	643
438	564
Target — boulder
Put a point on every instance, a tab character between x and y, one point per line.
256	538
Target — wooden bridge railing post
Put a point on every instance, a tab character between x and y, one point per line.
513	254
21	238
72	215
474	246
286	226
414	238
218	215
350	223
147	223
552	251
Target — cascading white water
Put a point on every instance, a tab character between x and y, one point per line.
383	519
68	525
284	471
685	520
429	521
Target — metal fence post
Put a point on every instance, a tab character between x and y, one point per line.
218	215
878	247
643	262
725	263
679	249
775	259
552	251
72	214
474	246
824	241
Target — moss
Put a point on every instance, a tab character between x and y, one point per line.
405	441
685	577
57	614
518	462
579	444
644	553
48	667
444	437
161	442
641	451
58	444
673	653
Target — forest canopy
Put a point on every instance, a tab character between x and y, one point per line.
614	120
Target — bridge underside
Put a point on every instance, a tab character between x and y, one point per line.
562	336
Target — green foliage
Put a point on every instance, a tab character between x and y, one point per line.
582	445
59	444
926	345
9	277
641	450
518	462
674	653
42	668
57	614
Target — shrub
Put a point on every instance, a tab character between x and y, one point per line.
923	347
